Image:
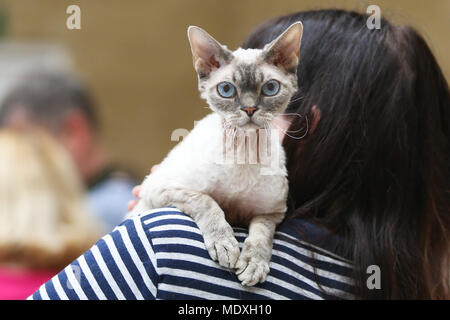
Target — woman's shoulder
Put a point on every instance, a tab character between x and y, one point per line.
170	222
169	227
314	238
299	257
161	254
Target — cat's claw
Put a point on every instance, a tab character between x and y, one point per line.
225	250
252	273
251	267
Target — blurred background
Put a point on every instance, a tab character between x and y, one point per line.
135	57
75	139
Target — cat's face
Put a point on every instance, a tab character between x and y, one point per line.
247	87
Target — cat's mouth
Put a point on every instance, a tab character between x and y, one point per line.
247	122
256	121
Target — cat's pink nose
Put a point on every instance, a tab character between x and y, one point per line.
249	110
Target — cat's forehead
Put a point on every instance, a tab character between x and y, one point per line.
248	70
247	76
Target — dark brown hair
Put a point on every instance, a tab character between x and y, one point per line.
46	97
376	169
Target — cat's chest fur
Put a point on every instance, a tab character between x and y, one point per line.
205	162
245	192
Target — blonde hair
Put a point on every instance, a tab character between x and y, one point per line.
43	219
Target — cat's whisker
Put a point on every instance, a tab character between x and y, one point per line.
286	132
296	99
295	114
291	114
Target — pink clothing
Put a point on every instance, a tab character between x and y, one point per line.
19	284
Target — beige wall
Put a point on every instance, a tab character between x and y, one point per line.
136	57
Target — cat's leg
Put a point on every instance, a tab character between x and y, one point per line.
253	263
217	233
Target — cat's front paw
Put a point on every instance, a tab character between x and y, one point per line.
253	263
223	247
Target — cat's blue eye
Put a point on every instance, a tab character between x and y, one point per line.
270	88
226	89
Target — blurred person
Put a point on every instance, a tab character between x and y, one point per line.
44	224
63	106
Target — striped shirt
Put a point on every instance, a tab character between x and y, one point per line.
161	255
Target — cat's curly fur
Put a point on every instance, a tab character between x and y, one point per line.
201	178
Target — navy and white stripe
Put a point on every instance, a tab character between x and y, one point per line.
161	255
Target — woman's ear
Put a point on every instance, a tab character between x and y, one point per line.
316	118
207	52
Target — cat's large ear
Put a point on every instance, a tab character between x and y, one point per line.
284	51
207	52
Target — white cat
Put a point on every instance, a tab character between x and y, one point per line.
246	89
